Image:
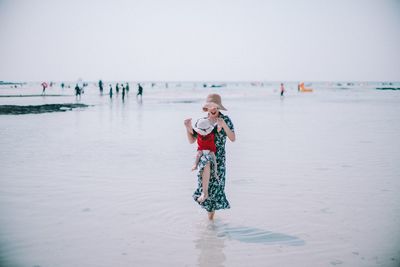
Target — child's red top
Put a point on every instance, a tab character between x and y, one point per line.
206	142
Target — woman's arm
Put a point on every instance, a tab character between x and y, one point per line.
231	135
189	130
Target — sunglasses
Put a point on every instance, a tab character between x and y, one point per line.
206	109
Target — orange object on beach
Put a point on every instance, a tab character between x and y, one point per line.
302	88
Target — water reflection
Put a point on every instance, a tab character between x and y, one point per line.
210	245
139	100
255	235
212	238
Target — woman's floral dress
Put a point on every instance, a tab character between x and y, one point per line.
216	195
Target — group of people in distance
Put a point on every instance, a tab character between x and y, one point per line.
79	89
123	87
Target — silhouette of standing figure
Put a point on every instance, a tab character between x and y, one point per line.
111	92
140	91
282	89
101	86
44	85
77	92
123	92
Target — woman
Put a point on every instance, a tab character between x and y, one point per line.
207	178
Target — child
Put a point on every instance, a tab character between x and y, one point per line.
206	131
205	140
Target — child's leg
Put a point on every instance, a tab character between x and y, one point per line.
204	183
196	162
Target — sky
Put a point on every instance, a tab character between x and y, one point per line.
188	40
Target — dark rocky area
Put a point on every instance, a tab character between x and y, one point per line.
19	110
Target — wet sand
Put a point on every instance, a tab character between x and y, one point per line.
313	180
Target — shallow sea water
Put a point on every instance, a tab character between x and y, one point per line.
313	180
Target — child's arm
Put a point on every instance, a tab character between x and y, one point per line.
189	130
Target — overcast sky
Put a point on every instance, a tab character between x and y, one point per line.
230	40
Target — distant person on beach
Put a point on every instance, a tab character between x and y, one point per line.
101	86
206	131
282	89
111	91
140	91
123	92
44	86
117	88
207	176
78	92
127	88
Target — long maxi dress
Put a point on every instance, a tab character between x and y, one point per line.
216	195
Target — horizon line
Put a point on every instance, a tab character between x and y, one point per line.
201	81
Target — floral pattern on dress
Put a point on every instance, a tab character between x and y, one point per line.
216	195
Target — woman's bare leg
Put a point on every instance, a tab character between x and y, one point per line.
204	183
211	215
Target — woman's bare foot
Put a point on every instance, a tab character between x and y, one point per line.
202	198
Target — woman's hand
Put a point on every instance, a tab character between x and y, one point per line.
221	123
